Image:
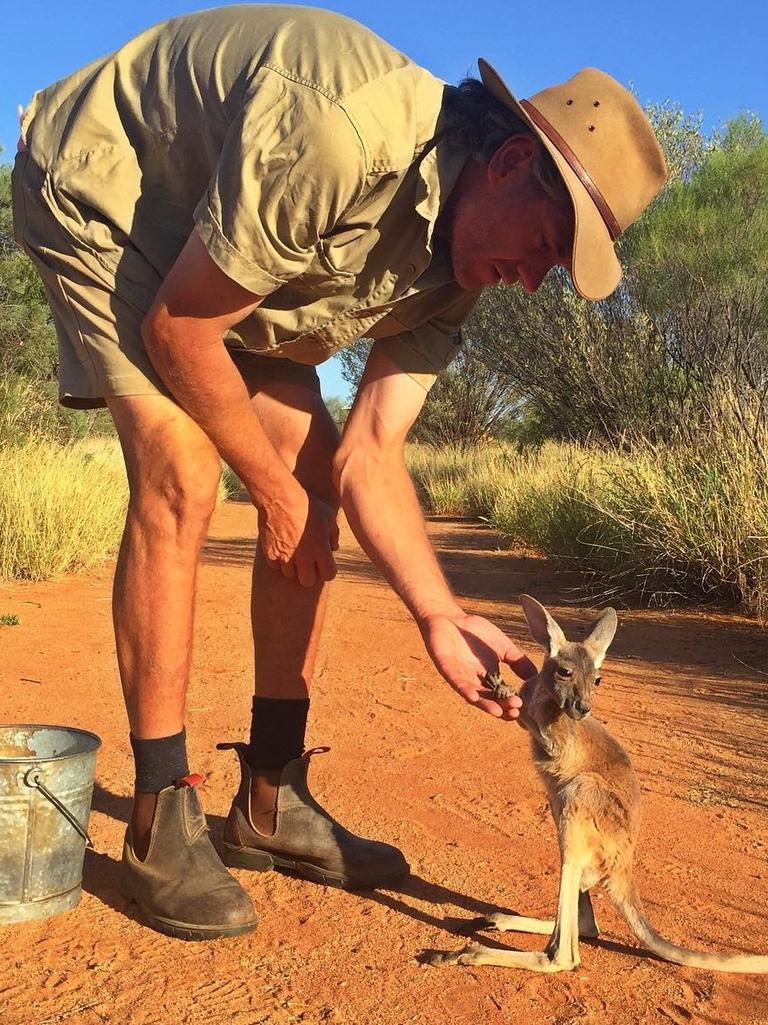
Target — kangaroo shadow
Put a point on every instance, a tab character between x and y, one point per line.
433	893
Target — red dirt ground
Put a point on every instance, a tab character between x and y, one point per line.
413	765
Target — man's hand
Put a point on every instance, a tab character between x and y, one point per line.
298	534
464	649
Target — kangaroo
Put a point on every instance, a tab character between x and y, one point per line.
594	797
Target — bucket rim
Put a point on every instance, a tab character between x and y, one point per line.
26	759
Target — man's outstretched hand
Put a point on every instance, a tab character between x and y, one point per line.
464	649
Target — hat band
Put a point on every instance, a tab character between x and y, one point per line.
613	226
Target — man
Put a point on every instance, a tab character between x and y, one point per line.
214	209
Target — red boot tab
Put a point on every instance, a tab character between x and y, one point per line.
194	779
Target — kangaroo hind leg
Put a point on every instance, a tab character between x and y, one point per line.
502	922
562	951
563	947
515	923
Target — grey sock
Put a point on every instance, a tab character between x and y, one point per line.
159	762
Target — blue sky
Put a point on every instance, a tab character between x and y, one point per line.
709	57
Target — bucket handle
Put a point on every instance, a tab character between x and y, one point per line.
32	779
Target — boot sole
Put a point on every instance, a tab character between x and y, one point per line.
185	930
262	861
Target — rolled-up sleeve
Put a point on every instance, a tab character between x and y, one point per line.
424	348
291	164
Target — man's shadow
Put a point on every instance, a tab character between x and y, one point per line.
101	874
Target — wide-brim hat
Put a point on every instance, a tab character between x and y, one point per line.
609	158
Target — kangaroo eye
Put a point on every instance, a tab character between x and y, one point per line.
597	680
562	671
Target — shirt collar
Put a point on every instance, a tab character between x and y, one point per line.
439	168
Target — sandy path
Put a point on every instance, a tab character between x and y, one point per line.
413	765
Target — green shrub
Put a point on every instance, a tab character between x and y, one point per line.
29	409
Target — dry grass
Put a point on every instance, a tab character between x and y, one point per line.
685	523
62	507
689	523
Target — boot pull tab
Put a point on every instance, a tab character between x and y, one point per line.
236	745
193	779
315	751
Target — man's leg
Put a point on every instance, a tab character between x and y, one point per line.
171	870
292	831
287	618
301	429
173	471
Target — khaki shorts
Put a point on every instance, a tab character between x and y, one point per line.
101	354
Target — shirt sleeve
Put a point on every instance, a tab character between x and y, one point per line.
291	164
424	349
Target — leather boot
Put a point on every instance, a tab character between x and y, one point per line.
181	887
306	841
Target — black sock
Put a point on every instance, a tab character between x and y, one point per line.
278	726
159	763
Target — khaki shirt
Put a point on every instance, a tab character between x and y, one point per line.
301	147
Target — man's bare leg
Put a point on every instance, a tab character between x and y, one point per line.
287	622
287	618
173	472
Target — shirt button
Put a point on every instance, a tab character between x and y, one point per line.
411	268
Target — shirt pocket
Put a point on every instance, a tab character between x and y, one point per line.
67	191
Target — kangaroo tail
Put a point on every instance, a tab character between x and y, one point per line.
629	905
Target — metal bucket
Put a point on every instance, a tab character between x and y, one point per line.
46	784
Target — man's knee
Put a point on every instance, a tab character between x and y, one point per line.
303	433
187	487
173	471
177	504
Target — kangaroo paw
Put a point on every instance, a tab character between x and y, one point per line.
442	958
498	688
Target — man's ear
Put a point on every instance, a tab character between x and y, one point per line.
544	630
512	159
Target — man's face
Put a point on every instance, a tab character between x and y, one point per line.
503	227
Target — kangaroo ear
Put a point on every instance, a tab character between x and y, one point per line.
600	635
544	629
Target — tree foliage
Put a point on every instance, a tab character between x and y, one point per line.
584	370
27	338
470	402
681	138
338	409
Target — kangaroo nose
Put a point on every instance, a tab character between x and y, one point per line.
582	707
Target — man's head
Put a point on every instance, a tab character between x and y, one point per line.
553	180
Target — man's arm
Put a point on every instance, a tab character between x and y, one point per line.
183	334
380	502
